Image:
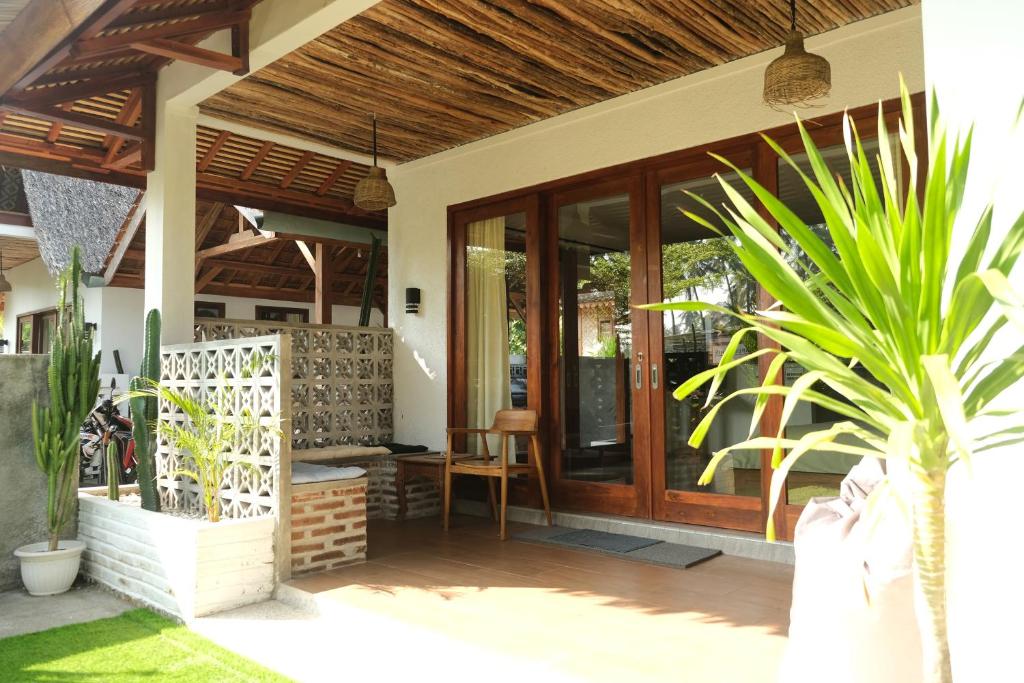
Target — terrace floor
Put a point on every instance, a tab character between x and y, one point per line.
580	615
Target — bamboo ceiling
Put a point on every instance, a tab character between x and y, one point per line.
441	73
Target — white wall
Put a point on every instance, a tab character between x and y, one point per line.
973	52
866	59
33	289
119	312
240	308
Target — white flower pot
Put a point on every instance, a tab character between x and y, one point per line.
46	572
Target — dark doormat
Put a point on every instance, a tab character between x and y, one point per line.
620	545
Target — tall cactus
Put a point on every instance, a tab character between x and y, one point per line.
144	414
113	472
74	382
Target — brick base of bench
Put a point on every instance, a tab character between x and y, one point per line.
328	525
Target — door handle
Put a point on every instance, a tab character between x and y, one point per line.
654	375
638	371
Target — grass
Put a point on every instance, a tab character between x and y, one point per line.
135	646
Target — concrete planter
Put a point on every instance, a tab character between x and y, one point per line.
49	572
184	567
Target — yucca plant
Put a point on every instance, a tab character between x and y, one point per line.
891	320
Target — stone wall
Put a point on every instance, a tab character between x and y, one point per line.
328	524
23	503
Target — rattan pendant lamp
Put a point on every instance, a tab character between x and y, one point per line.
374	192
5	286
797	78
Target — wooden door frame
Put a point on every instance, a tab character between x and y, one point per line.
745	513
824	130
536	384
617	499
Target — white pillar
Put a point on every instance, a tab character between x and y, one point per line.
973	58
170	220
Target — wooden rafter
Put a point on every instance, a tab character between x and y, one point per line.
102	45
204	163
257	160
51	95
204	226
330	180
286	182
184	52
71	118
132	223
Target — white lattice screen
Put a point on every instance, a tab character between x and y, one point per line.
342	384
252	369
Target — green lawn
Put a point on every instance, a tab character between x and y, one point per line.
136	646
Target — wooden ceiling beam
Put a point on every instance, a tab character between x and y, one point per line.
132	223
328	183
131	156
82	121
215	146
128	116
235	245
296	169
184	52
58	94
160	12
255	162
202	23
206	278
208	221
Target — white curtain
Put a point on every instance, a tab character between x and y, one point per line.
487	366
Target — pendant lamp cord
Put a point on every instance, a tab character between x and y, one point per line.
375	139
792	15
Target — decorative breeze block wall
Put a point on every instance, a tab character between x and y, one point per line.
342	381
328	524
252	368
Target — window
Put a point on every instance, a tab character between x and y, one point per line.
35	331
282	314
209	309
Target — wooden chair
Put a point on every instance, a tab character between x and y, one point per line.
507	424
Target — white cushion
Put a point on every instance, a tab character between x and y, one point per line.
307	473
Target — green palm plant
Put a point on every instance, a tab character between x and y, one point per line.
211	430
892	320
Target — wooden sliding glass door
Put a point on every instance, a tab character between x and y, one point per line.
599	440
545	288
689	262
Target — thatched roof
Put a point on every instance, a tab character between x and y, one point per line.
69	211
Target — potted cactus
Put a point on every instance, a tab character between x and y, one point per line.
50	567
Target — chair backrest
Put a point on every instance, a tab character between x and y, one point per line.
515	420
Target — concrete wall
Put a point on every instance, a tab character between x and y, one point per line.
23	501
185	567
718	103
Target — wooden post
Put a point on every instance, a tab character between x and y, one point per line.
324	273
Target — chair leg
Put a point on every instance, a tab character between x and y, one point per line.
539	462
447	495
492	497
504	504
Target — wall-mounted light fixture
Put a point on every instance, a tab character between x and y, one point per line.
412	300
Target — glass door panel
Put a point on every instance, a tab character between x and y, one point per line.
596	340
496	322
697	265
819	472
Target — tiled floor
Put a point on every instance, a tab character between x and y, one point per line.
581	614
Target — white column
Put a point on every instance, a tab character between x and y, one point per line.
973	59
170	220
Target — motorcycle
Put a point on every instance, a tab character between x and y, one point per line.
103	426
